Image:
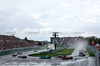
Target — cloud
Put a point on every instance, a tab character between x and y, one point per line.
47	16
65	5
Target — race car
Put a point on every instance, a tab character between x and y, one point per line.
81	54
67	57
45	57
14	55
19	53
35	50
22	56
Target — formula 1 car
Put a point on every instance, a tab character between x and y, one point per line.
35	50
22	56
67	57
45	57
14	55
81	54
19	53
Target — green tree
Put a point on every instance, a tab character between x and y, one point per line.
40	44
93	38
31	41
26	39
81	37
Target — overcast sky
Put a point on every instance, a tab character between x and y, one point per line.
28	17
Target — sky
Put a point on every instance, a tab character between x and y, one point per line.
37	19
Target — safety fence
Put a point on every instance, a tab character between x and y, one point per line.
96	52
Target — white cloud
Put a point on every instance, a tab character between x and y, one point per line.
49	15
1	22
65	5
93	20
36	15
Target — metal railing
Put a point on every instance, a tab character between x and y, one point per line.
96	52
10	51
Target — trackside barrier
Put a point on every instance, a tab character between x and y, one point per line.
91	51
96	52
10	51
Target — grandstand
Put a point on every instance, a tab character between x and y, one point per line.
67	41
11	42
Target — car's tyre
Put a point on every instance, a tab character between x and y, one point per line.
71	58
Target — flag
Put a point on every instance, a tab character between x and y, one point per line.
92	42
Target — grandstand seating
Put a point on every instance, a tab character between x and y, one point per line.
10	42
67	40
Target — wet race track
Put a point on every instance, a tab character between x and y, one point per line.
8	60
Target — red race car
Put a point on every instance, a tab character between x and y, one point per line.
35	50
67	57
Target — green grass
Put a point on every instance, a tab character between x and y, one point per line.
60	52
60	47
90	52
66	51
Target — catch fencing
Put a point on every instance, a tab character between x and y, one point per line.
96	52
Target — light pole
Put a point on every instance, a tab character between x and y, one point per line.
55	34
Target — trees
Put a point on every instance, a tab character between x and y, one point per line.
81	37
40	44
26	39
93	38
31	41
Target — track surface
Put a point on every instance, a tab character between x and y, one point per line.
8	60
